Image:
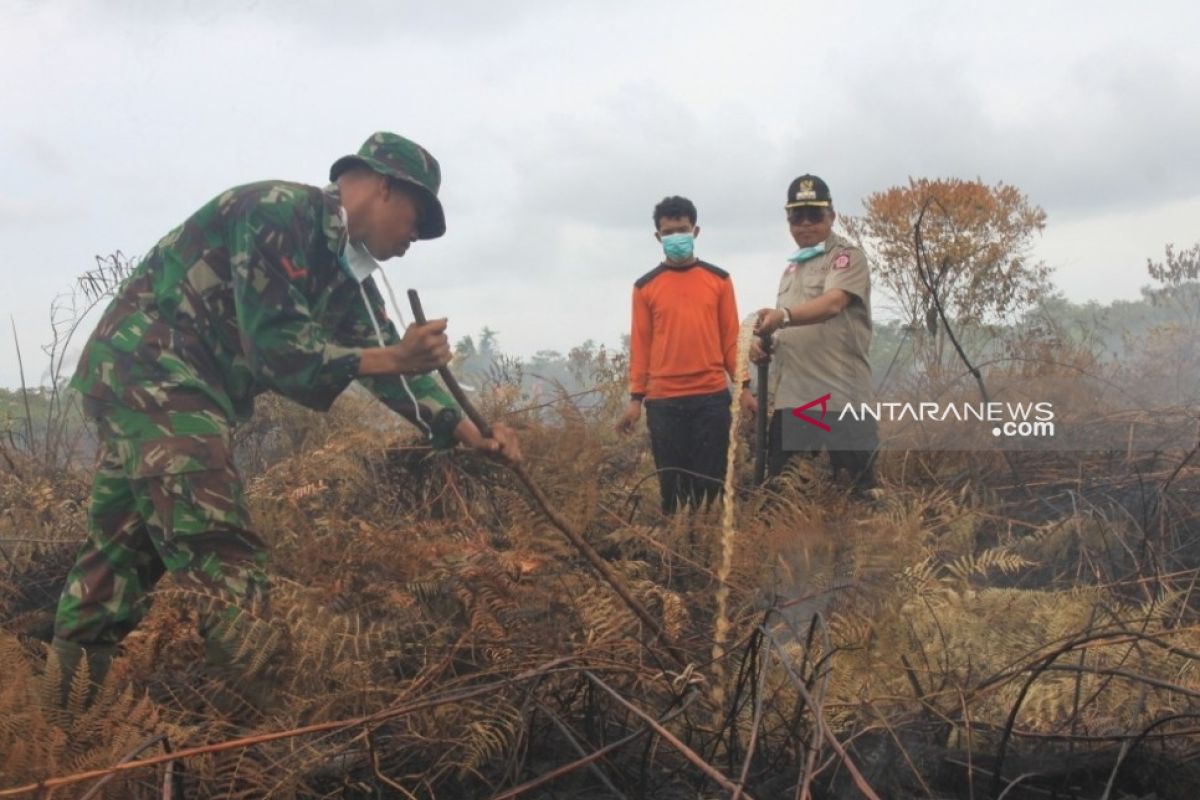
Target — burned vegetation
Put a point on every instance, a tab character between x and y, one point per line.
1020	628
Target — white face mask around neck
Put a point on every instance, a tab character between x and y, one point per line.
355	259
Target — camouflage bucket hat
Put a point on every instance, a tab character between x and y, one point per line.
405	160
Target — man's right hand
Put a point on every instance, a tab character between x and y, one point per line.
424	348
633	412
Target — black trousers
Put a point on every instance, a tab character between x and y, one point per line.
689	437
860	438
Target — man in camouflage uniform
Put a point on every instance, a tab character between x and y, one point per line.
821	338
264	288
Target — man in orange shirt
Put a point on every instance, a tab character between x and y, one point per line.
682	355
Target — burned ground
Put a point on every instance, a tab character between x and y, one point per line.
983	630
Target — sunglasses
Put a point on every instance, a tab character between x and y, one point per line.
813	214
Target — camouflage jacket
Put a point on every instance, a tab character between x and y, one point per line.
246	296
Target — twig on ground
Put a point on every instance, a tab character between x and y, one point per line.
687	752
822	728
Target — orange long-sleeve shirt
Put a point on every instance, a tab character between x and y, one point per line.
684	334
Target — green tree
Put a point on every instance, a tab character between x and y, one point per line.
1177	275
488	342
465	347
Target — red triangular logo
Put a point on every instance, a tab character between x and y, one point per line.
822	401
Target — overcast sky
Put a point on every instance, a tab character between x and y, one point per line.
560	125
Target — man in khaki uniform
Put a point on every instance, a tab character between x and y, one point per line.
820	338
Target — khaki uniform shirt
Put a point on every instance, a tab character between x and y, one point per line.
809	361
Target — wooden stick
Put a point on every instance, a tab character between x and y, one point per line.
137	751
671	739
819	721
543	505
335	725
760	453
565	769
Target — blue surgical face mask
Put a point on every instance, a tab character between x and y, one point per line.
679	246
807	253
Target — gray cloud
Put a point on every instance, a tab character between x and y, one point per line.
559	126
362	22
1106	135
611	166
22	212
1110	135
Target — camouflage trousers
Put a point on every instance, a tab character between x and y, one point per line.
166	497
